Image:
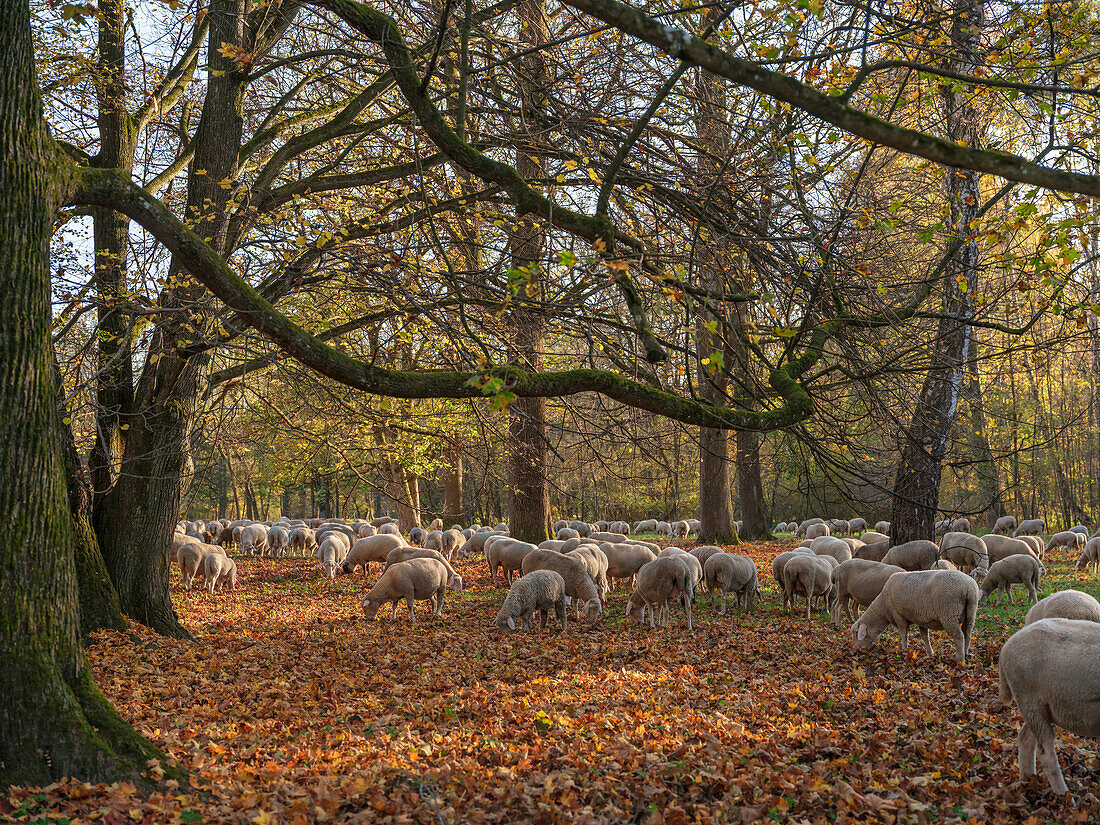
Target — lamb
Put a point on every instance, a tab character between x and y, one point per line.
539	591
726	573
190	557
1050	668
625	560
302	540
810	576
1030	527
817	530
219	570
253	539
412	580
507	554
1018	569
1067	538
595	562
331	553
400	554
659	582
578	583
1065	604
1004	525
372	548
913	555
875	551
1090	556
832	546
944	600
857	525
882	527
1001	547
278	540
859	581
967	551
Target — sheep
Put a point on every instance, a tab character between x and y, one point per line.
648	525
475	544
944	600
346	534
780	562
389	530
704	552
913	555
1082	529
566	533
378	522
422	579
434	540
417	535
695	569
625	560
1065	604
726	573
405	553
621	527
960	525
875	551
502	527
1001	547
1018	569
680	529
1030	527
1036	544
839	527
578	583
366	530
372	548
506	554
810	576
831	546
601	525
1004	525
219	570
857	525
1067	538
595	562
450	541
190	557
859	581
301	540
551	544
559	524
800	532
583	528
817	530
882	527
331	554
967	551
672	551
437	524
598	536
694	526
941	527
253	539
278	540
539	591
1050	668
664	528
659	582
1090	556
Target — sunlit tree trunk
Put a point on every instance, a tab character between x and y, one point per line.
989	482
453	509
925	441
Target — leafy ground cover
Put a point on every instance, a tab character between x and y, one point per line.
288	708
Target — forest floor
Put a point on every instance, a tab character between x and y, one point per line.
288	708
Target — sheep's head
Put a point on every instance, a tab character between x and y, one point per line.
634	611
592	610
370	608
507	625
862	635
455	583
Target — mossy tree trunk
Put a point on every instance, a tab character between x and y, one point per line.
53	720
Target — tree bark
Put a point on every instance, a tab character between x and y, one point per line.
453	510
53	720
529	498
925	441
989	481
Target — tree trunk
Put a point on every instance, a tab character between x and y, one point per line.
529	499
453	510
53	720
924	443
989	482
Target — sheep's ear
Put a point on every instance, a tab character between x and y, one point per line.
511	623
861	634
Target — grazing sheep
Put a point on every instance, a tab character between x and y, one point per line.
966	551
219	571
614	538
944	600
583	528
780	562
540	591
506	554
832	546
578	583
253	539
726	573
412	580
648	525
817	530
190	557
378	522
875	551
345	533
437	524
1067	538
805	525
625	560
664	529
672	551
1038	547
1001	547
365	530
434	540
389	530
372	548
1030	527
1090	556
695	569
1004	525
405	553
1051	669
450	541
913	555
839	527
620	527
331	554
809	576
278	541
302	540
882	527
659	582
680	529
1065	604
704	552
595	562
566	533
552	544
1082	529
417	535
1018	569
857	525
859	581
475	544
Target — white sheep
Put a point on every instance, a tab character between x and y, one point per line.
579	585
405	553
566	533
1004	525
814	531
838	548
859	581
1052	669
857	525
1065	604
413	580
659	582
331	554
417	535
1090	556
595	562
1001	547
278	540
1030	527
540	591
726	573
882	527
960	525
389	529
371	548
506	554
944	600
809	576
1067	538
704	552
190	557
253	539
301	540
1017	569
913	555
967	551
625	560
219	571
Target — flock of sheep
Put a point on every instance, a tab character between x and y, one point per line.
1050	667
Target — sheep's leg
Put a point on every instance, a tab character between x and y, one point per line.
722	609
927	642
409	604
652	620
903	631
961	642
1025	751
1048	758
687	609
